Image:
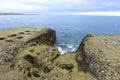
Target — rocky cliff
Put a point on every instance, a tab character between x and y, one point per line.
28	54
100	56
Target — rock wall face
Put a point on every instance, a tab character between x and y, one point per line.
45	36
100	56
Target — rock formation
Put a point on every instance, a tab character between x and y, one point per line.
28	54
100	56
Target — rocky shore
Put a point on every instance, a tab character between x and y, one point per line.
28	54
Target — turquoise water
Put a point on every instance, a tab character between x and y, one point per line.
70	28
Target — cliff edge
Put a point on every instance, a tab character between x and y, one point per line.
28	54
100	56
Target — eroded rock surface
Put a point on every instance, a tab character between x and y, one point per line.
27	54
100	56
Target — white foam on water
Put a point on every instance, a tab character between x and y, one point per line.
63	48
70	46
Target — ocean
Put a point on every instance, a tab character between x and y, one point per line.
70	29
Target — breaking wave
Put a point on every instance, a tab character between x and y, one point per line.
63	47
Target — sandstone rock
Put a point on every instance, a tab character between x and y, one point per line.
100	56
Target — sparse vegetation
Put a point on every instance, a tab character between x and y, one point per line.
2	38
12	35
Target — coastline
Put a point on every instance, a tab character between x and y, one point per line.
15	14
28	53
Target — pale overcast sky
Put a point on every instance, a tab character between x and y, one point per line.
60	6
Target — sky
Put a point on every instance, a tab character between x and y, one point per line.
76	7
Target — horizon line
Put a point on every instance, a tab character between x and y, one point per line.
91	13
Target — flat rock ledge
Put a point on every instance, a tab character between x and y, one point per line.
28	54
100	55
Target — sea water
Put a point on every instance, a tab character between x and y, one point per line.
70	29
